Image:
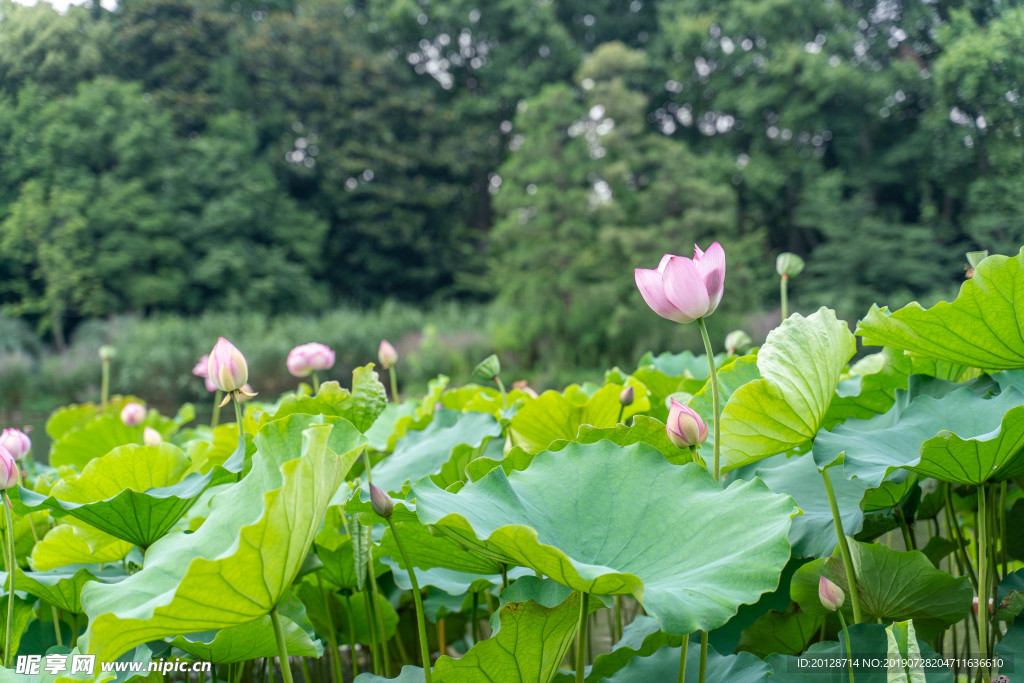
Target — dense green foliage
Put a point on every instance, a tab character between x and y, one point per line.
188	155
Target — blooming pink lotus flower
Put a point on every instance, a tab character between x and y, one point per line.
201	370
133	414
309	358
832	596
386	354
227	368
9	475
16	442
683	289
685	427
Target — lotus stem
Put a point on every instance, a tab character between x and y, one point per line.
303	667
1001	518
783	286
379	615
504	576
622	409
504	396
394	384
215	417
475	630
581	637
844	546
332	639
418	600
908	537
958	532
316	383
12	568
713	376
618	617
441	647
983	581
105	383
56	625
846	637
703	656
682	660
282	646
371	622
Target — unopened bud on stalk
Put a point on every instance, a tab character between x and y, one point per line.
16	442
626	397
736	341
382	503
151	437
133	414
832	596
9	475
227	368
789	265
386	354
685	427
107	352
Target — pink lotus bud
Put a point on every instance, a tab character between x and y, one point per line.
151	437
308	358
16	442
832	596
227	368
9	475
626	396
382	503
133	414
386	354
685	427
683	289
201	370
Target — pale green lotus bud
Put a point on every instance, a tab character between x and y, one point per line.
789	264
107	352
736	341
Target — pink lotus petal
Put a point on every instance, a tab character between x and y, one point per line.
697	253
664	262
652	289
712	268
685	289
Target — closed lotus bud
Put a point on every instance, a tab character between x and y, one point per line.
201	369
9	474
832	596
151	437
16	442
227	368
737	340
386	354
685	427
789	265
382	503
309	358
133	414
107	352
626	397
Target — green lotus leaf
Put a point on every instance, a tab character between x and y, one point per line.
72	417
788	632
418	454
361	406
409	674
96	438
640	638
981	327
223	444
77	543
903	645
684	364
663	665
544	592
451	581
347	614
239	563
868	642
474	398
871	389
1012	643
383	433
813	533
556	416
731	376
133	492
427	551
254	639
529	647
801	363
960	438
23	614
653	539
62	587
893	586
1010	596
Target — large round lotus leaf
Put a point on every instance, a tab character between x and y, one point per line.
960	437
981	327
62	587
559	416
133	492
77	543
96	438
361	406
608	520
239	563
663	665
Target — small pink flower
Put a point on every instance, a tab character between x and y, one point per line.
309	358
151	437
227	368
9	475
16	442
683	289
386	354
832	596
133	414
685	427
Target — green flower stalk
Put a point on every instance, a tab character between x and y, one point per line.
282	646
107	353
384	507
844	546
488	369
581	637
832	598
388	357
9	477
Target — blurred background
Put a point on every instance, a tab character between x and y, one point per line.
463	177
